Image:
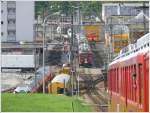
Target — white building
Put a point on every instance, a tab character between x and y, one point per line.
123	9
17	21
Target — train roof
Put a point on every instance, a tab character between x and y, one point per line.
141	46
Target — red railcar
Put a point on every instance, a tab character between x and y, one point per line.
85	59
128	80
85	55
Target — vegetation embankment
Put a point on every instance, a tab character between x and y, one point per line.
40	103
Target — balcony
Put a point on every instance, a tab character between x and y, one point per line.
11	16
11	27
11	5
11	38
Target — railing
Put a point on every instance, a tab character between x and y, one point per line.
11	5
11	27
11	16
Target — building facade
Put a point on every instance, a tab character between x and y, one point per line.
118	16
17	21
123	9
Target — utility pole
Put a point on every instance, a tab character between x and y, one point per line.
111	45
71	48
35	35
79	30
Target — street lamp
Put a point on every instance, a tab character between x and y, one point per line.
44	47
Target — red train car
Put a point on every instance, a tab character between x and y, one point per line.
128	79
85	55
85	59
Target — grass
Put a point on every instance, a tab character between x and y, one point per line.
40	103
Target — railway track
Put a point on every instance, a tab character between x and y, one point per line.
98	101
94	94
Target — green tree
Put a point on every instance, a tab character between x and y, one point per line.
87	7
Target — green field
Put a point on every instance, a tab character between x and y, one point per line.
40	103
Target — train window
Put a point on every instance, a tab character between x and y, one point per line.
134	73
129	82
117	80
110	80
114	80
132	83
140	84
124	82
109	83
120	81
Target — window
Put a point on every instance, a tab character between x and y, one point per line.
134	83
11	21
122	81
2	33
130	83
117	80
141	84
2	11
11	32
127	81
142	47
2	22
11	10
